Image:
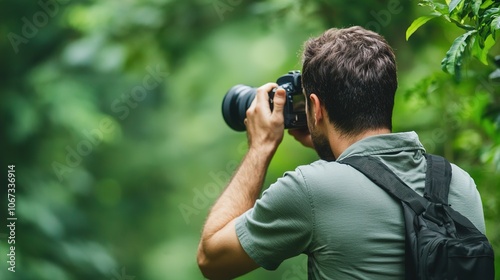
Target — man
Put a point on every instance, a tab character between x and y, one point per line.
348	227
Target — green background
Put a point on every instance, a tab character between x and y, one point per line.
110	112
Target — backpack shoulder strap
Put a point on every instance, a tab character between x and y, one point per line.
437	179
382	176
437	186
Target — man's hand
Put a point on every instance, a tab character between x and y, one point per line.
265	127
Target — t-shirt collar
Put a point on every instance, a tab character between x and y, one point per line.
384	143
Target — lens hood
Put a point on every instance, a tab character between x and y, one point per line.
235	105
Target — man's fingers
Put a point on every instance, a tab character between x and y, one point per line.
265	128
279	101
262	96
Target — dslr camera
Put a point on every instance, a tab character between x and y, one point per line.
238	99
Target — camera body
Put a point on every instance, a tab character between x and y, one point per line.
239	97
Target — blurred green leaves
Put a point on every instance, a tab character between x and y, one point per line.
479	19
130	149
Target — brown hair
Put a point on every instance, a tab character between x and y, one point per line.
353	73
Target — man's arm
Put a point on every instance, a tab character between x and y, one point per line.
220	254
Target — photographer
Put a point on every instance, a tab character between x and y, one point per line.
348	226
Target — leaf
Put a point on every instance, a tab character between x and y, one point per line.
486	4
495	75
495	24
488	43
453	59
440	8
481	52
416	24
476	5
476	50
453	4
489	13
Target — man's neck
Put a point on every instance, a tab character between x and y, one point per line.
340	142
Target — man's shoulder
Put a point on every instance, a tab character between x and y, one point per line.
323	174
460	174
320	168
462	185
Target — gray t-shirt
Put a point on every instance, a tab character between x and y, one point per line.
348	227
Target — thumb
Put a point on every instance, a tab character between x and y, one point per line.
279	101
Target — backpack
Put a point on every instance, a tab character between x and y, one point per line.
440	242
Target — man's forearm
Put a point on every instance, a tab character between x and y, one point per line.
241	192
220	254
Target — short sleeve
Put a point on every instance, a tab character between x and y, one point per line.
466	199
281	223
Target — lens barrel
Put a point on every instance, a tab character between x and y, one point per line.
239	98
235	104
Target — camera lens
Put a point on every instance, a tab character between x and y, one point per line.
235	105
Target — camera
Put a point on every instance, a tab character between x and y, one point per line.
239	97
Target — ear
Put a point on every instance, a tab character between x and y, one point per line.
317	109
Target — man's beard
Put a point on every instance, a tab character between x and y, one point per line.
321	145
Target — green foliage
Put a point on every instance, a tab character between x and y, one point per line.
110	111
452	63
480	20
416	24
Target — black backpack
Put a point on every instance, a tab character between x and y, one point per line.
440	242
